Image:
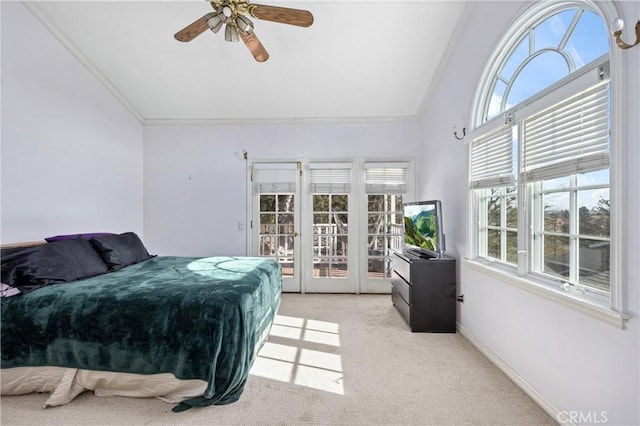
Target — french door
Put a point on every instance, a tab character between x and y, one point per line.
330	233
330	254
275	218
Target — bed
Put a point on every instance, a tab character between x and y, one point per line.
183	329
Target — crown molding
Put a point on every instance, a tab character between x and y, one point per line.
290	120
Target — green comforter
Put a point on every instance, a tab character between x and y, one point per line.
198	318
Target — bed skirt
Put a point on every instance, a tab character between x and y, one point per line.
65	384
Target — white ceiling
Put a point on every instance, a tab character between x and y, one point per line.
359	60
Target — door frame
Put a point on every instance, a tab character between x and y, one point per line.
310	284
289	284
358	231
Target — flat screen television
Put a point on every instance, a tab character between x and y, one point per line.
423	231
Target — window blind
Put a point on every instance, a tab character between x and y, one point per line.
330	178
492	162
385	178
570	137
274	178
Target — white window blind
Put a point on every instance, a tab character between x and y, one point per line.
271	178
385	178
330	178
492	159
569	137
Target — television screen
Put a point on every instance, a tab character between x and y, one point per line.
423	230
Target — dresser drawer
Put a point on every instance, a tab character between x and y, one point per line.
402	267
400	305
402	287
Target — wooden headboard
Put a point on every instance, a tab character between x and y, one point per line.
24	244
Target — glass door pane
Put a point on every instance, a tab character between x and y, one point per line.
330	235
381	235
384	233
331	261
277	230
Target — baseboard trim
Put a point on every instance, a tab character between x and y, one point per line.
553	411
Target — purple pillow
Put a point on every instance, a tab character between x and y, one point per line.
73	236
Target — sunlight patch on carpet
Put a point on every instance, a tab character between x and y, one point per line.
296	364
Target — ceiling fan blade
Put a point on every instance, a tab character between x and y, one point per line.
257	49
194	29
283	15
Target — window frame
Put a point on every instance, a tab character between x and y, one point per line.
503	227
611	309
573	234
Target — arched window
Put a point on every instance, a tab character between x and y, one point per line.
539	153
552	47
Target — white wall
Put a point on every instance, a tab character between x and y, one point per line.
573	362
71	153
196	180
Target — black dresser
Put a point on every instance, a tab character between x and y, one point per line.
424	292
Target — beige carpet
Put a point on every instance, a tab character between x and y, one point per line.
330	360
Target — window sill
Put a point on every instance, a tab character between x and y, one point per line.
594	310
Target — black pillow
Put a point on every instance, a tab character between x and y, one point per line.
51	263
11	258
122	250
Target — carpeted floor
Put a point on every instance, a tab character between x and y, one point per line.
330	360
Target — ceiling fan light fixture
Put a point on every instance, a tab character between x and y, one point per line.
215	22
244	24
231	33
227	11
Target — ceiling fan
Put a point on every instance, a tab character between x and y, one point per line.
234	14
